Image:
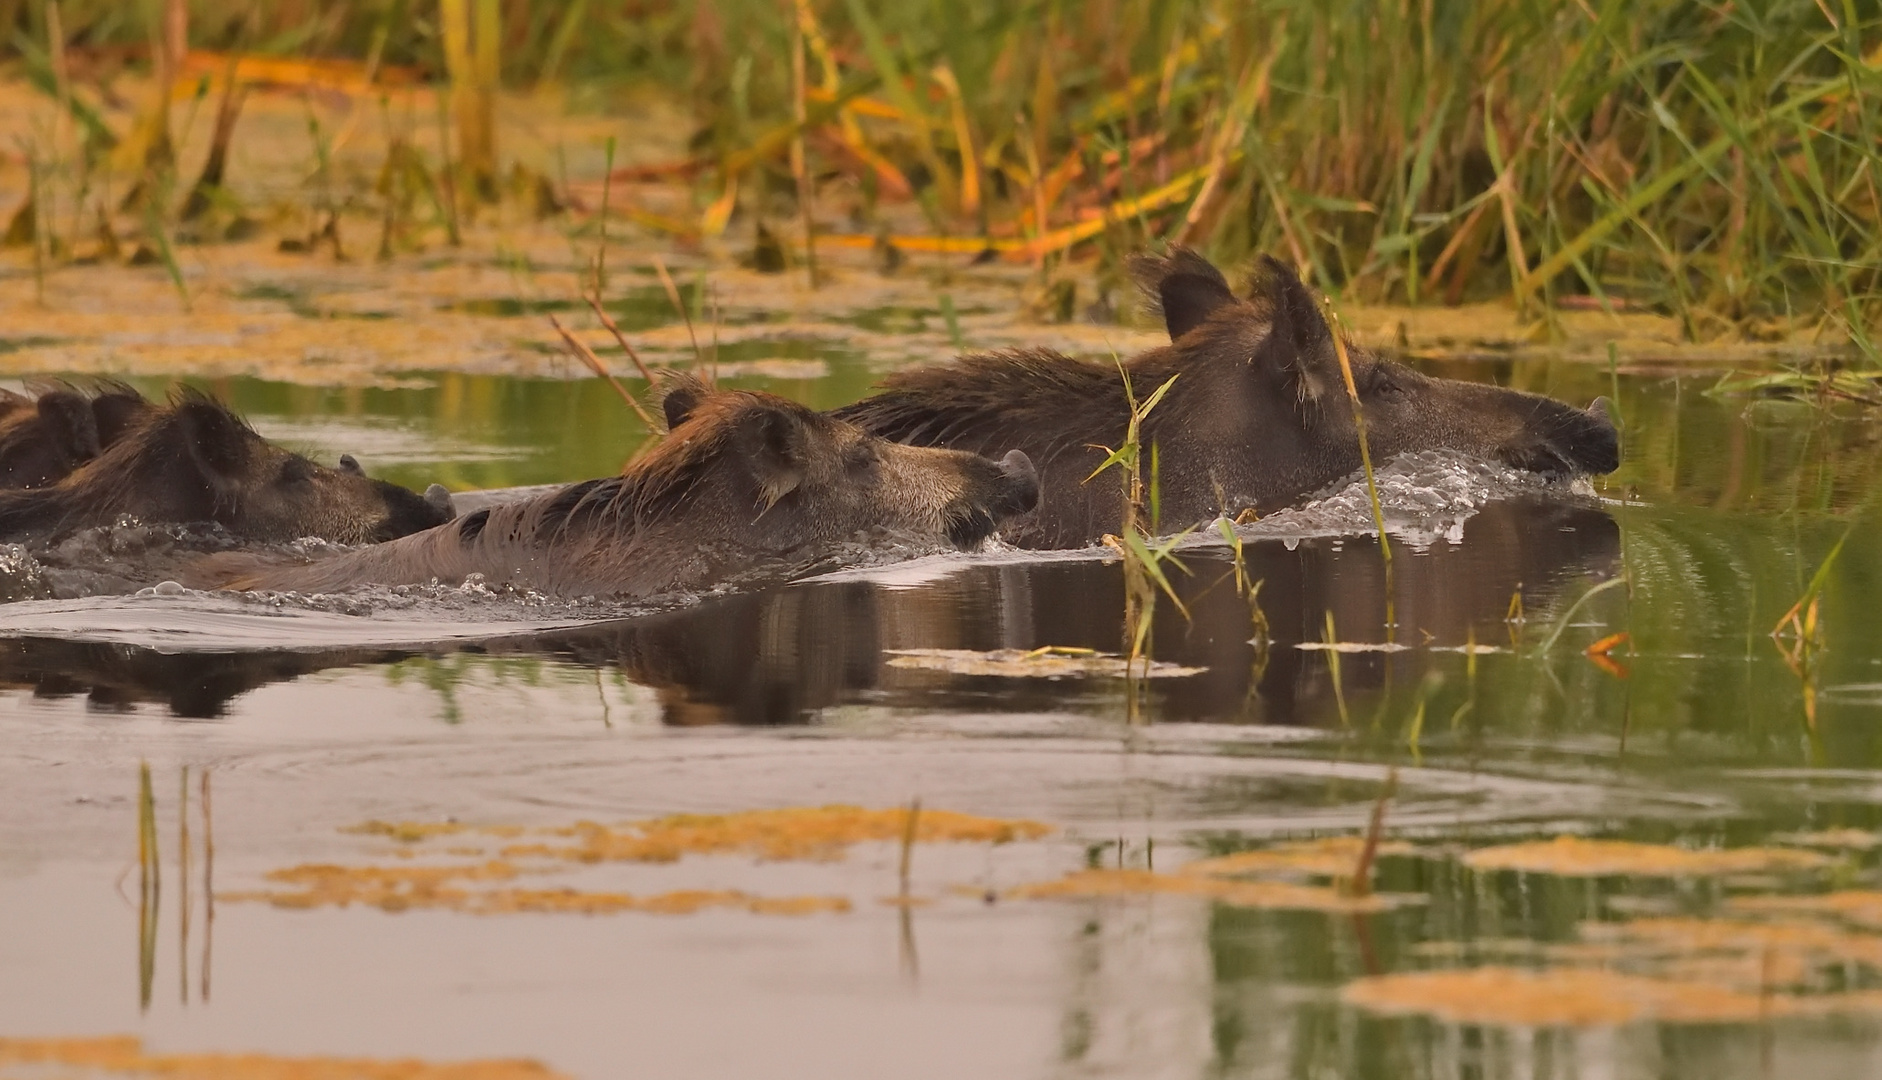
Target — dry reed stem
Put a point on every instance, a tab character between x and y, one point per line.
800	169
608	322
673	294
587	356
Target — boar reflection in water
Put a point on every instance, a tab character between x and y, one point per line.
1258	416
781	655
742	480
113	678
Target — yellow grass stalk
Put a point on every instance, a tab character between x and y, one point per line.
471	60
588	358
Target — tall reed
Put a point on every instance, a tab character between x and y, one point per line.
1718	162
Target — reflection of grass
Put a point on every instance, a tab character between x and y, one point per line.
149	885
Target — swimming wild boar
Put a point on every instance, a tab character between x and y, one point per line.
1258	416
195	461
45	436
741	480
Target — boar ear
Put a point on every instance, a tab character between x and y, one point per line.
678	404
115	409
69	421
1183	285
1299	342
217	441
773	442
679	396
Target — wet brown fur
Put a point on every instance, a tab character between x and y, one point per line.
1257	416
193	460
742	480
59	427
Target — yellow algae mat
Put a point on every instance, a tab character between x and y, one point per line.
1755	958
125	1056
1568	997
483	885
1759	954
1221	879
1578	857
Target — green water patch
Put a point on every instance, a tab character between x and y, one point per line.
300	300
477	431
634	309
13	345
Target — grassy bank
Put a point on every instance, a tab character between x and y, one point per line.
1717	162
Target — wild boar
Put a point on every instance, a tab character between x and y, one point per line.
194	460
60	427
742	480
1257	417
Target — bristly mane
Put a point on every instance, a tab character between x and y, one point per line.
655	485
1053	404
18	411
975	402
110	478
17	421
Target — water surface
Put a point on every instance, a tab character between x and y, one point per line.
1698	730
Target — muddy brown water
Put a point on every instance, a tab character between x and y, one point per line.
269	730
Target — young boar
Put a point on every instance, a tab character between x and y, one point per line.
46	436
741	480
1258	416
195	461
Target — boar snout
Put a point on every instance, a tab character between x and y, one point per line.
1597	447
440	499
1574	441
996	493
1022	485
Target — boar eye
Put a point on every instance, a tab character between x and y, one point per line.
296	471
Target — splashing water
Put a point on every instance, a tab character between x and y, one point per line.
1425	496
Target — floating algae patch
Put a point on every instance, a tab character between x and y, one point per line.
1859	907
1672	969
1584	997
1557	998
483	886
392	888
125	1056
1574	856
1276	895
1751	954
1332	856
1034	664
405	888
792	833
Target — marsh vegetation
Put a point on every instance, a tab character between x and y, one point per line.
1448	771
